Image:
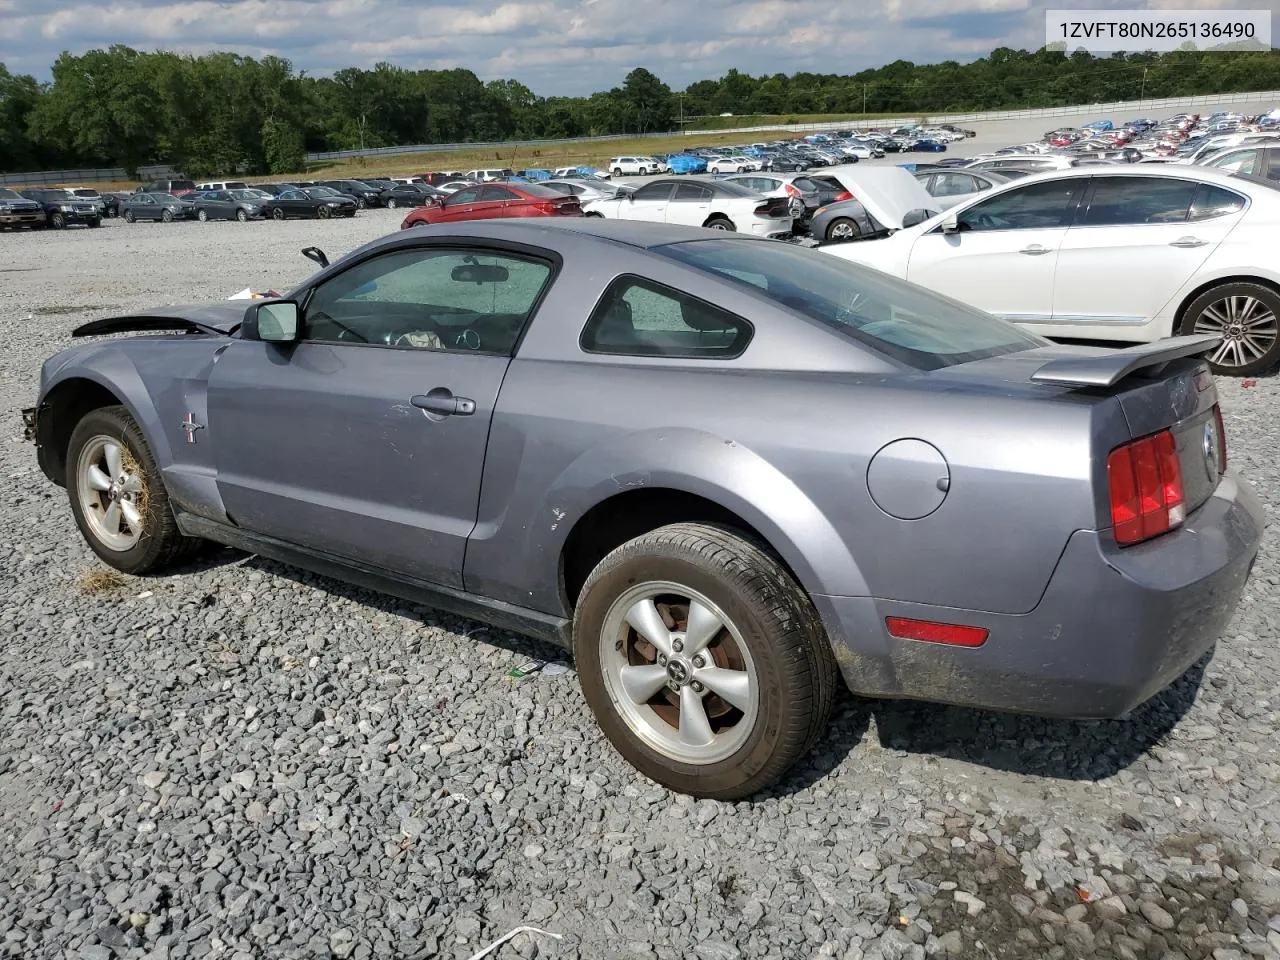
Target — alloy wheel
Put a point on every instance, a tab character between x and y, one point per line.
1248	328
679	672
112	493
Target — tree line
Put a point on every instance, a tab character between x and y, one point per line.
222	112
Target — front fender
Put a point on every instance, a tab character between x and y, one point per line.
694	462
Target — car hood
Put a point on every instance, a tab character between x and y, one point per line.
888	193
215	318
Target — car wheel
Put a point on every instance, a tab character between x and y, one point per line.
703	661
96	222
242	215
720	223
57	221
842	228
277	213
362	203
166	216
112	212
592	213
392	203
714	170
118	497
323	212
1247	317
201	215
129	217
617	171
644	171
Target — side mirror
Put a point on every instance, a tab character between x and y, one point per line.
272	321
630	195
950	225
316	254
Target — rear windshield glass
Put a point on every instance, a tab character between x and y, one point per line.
901	321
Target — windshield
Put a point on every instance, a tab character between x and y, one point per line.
897	319
93	194
9	195
322	192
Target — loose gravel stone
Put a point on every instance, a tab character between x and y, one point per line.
240	759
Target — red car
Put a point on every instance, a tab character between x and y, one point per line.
486	201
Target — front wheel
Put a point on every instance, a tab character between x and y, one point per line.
323	213
362	203
277	213
1245	315
57	221
715	170
841	229
97	222
118	497
703	661
129	217
202	216
392	203
167	216
242	216
644	171
617	171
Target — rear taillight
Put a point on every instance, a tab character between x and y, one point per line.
1145	480
842	195
791	190
776	208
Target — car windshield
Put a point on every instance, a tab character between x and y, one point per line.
901	321
322	192
538	190
9	195
91	194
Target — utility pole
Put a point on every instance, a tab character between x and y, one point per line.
1143	94
864	101
681	111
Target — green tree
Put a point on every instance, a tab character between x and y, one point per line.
646	101
19	95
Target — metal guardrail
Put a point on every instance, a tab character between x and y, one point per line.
41	178
1128	107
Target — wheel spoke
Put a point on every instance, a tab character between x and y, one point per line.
732	686
701	629
132	483
645	619
640	683
115	465
97	479
1246	309
695	728
1220	353
111	519
132	516
1213	316
1266	319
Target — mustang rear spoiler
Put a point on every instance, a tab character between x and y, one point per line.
97	328
1108	369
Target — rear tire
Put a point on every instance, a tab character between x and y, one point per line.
109	438
129	217
720	223
203	216
1247	315
762	647
392	203
362	204
277	213
617	171
97	222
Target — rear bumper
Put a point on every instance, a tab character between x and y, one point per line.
1113	628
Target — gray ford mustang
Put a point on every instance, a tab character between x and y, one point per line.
724	471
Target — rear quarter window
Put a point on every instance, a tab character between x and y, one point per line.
642	318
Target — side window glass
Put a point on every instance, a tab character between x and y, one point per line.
431	299
464	196
641	318
495	193
1214	201
1138	200
1037	206
952	184
653	191
1238	161
692	192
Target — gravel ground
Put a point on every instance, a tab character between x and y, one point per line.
244	761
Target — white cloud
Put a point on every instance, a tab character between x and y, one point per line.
554	46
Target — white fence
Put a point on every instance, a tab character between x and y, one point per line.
1159	107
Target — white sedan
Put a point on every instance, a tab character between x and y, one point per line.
716	204
732	165
1109	253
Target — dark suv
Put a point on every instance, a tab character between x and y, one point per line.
62	208
17	211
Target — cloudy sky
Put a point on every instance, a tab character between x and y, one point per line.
554	46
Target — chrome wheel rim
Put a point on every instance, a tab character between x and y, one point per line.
841	231
111	490
1248	328
718	225
679	673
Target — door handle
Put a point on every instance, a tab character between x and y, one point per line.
1035	250
444	404
1187	242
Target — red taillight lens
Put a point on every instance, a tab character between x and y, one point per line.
1145	481
791	190
928	631
842	195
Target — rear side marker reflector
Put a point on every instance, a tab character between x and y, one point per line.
952	634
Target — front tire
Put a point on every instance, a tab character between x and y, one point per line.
57	221
617	171
277	213
323	213
841	229
703	661
203	216
392	203
1247	317
118	497
167	216
129	217
242	215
